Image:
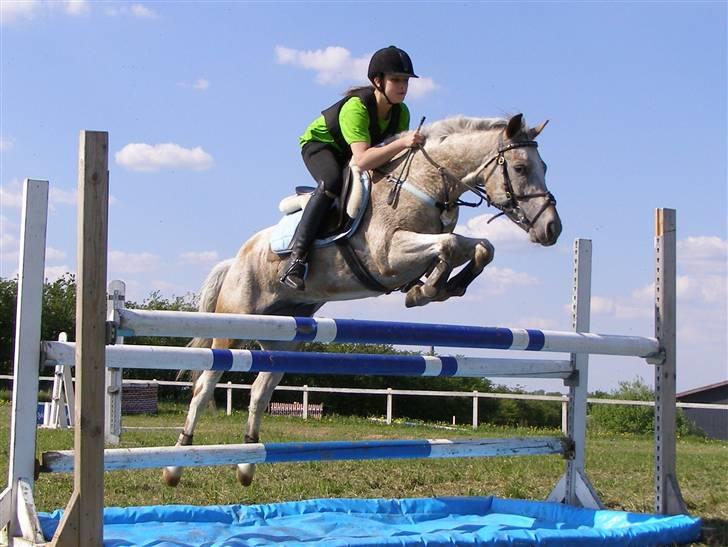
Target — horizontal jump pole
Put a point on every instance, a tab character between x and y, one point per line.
318	329
176	358
231	454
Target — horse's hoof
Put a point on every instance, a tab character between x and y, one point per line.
244	474
172	475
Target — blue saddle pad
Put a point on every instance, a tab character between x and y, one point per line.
281	236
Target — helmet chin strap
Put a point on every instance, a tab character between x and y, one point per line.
381	90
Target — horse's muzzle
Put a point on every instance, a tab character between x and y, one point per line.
547	230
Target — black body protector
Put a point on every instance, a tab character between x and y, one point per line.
376	136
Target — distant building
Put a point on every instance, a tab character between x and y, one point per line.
713	422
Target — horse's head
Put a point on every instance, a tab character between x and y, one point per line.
514	182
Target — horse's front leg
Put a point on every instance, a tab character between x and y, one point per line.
201	395
445	251
260	395
482	256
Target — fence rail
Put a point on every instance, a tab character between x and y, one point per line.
390	393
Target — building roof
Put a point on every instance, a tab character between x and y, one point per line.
702	389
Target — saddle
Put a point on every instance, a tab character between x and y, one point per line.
343	217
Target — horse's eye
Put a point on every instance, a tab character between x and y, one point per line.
520	169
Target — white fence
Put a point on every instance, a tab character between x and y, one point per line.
390	393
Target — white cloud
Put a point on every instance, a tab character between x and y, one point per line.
336	65
9	242
199	257
12	11
11	195
419	87
703	254
601	305
76	7
135	10
499	232
200	84
141	11
57	196
6	144
122	262
55	254
153	157
15	10
56	272
496	280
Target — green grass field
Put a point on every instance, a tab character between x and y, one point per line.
620	468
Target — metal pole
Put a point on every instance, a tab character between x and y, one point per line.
668	497
114	376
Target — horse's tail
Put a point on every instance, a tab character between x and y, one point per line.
209	292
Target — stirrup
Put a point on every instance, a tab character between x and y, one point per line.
295	275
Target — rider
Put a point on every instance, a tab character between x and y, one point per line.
351	129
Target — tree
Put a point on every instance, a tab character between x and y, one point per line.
631	418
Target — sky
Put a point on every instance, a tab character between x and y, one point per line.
204	104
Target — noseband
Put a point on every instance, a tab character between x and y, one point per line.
512	207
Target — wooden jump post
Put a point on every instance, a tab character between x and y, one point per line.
82	522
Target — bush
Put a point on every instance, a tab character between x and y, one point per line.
631	418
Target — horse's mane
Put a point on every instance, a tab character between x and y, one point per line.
461	124
438	131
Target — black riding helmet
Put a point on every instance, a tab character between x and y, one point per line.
390	60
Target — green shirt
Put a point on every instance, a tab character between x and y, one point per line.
354	123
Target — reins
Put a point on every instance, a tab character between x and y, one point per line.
511	208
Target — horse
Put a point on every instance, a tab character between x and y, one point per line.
402	237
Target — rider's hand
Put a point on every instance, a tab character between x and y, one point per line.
412	140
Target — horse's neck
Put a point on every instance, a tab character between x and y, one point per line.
459	154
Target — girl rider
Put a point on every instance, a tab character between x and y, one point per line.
350	130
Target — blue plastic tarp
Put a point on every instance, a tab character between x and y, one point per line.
375	522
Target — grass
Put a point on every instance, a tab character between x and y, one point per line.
620	467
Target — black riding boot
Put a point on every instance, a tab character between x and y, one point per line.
313	215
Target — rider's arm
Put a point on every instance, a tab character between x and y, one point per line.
354	122
368	157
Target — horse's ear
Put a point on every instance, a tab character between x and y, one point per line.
536	131
514	126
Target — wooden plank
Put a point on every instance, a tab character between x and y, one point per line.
92	230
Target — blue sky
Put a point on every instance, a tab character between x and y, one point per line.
204	104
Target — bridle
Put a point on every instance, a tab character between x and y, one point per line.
511	207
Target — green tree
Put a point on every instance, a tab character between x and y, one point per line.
631	418
8	299
58	314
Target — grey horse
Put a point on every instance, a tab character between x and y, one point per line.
405	243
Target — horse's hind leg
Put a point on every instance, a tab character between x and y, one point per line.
260	395
201	395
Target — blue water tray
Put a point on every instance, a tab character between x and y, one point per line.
375	522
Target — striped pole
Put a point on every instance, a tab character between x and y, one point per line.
231	454
175	358
310	329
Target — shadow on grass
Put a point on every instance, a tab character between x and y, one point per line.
715	531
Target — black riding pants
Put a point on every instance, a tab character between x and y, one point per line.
325	164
